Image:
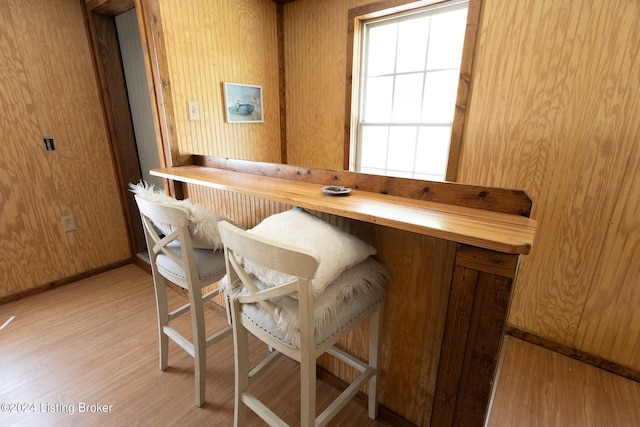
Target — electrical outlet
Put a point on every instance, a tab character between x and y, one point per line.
194	110
69	223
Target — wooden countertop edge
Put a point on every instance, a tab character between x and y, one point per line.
512	234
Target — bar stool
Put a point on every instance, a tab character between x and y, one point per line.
173	258
296	320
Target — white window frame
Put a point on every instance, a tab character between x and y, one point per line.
358	94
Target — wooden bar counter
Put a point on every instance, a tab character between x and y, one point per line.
457	245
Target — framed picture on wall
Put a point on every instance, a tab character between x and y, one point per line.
243	103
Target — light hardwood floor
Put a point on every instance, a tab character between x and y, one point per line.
538	387
95	342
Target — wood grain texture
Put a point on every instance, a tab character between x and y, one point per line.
282	83
415	303
25	222
68	107
538	387
479	301
157	66
464	88
315	62
476	312
93	354
118	116
575	353
413	320
208	43
46	95
553	110
319	46
109	7
614	298
244	211
559	117
495	199
104	350
556	116
490	230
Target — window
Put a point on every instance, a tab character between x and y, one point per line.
410	66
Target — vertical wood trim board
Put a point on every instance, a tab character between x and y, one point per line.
118	117
481	290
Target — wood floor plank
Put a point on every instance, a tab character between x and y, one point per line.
538	387
94	342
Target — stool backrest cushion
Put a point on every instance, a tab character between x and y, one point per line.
335	249
203	224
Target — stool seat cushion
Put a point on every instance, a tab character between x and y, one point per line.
210	265
336	249
355	291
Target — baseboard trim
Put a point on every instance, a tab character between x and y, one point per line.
142	264
574	353
63	281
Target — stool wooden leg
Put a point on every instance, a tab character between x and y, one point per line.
375	341
241	358
308	387
163	319
199	346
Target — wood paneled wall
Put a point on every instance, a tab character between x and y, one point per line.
555	110
48	88
316	69
211	42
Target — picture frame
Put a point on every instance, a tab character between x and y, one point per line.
243	103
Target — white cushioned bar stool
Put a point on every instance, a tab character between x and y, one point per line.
272	293
174	258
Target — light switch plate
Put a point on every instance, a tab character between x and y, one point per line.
193	110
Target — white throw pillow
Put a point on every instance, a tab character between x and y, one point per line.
203	224
336	249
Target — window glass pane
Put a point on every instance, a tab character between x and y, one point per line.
428	177
374	147
402	148
381	52
412	45
378	99
407	101
409	86
400	174
432	151
447	39
373	171
440	92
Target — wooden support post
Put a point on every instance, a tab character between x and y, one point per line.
474	330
